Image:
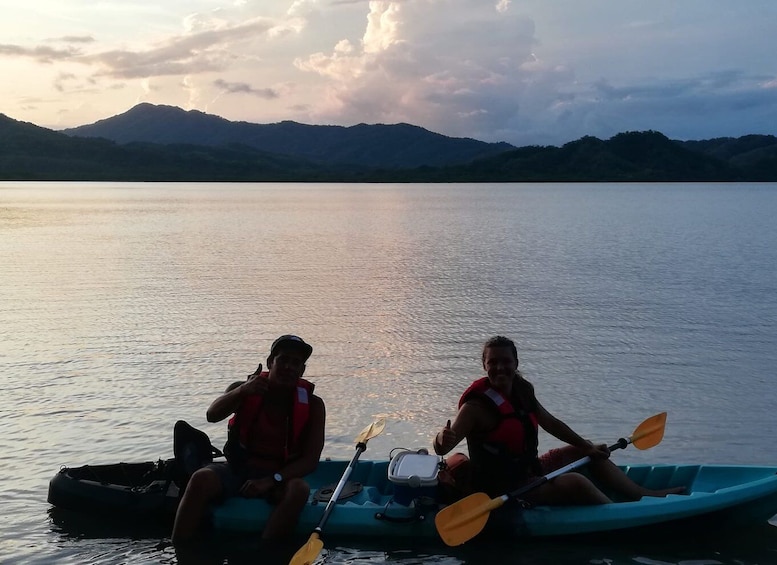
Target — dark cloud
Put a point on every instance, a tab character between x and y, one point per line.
75	39
244	88
42	54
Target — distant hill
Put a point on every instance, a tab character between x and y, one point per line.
754	154
632	156
399	146
29	152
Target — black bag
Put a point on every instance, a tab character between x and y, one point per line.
192	450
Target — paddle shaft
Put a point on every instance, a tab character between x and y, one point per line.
360	448
620	444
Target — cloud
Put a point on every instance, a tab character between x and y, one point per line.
478	69
467	73
211	45
75	39
201	51
42	54
244	88
698	107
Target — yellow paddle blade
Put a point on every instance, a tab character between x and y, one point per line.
374	429
307	553
463	520
650	432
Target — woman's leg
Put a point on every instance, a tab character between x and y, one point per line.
604	471
610	475
567	489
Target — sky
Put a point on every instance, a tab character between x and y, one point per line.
537	72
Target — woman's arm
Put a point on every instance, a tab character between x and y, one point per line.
470	418
559	429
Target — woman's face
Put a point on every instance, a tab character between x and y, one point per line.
500	366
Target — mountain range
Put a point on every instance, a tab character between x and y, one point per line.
165	143
398	146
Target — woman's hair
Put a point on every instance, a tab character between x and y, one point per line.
500	341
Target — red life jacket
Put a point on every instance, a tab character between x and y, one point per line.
511	437
250	411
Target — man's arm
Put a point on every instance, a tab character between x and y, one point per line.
230	401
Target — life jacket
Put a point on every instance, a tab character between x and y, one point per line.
242	422
510	449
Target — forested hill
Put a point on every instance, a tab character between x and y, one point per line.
631	157
29	152
397	146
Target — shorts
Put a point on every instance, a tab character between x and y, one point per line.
231	481
559	457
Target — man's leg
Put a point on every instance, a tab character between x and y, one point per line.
204	487
286	513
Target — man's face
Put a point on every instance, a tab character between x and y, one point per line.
287	366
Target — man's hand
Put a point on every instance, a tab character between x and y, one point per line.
257	488
254	384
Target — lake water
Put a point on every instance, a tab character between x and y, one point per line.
125	307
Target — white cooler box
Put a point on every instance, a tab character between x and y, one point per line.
413	475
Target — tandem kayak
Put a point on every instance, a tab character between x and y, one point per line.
373	503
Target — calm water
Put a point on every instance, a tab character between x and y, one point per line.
125	307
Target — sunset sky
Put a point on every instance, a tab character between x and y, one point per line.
526	72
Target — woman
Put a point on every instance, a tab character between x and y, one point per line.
499	416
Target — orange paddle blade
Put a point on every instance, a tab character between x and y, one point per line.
307	553
374	429
463	520
650	432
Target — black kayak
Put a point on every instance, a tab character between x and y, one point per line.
133	490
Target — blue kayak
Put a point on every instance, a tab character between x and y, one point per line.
734	494
375	503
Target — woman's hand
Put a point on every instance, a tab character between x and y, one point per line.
600	451
446	439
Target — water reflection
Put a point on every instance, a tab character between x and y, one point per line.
147	543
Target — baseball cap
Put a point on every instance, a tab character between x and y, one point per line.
291	341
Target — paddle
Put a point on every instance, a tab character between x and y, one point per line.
307	553
463	520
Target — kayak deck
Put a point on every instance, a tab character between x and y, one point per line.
370	511
742	494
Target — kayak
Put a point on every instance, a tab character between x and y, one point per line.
379	501
120	490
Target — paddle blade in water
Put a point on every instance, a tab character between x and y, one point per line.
374	429
463	520
650	432
307	553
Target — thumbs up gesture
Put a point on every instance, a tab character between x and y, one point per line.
446	439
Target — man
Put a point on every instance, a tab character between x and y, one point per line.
275	438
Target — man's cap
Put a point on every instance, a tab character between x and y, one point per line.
291	341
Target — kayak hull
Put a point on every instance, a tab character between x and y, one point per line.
729	495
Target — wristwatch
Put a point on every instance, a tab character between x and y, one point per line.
278	478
